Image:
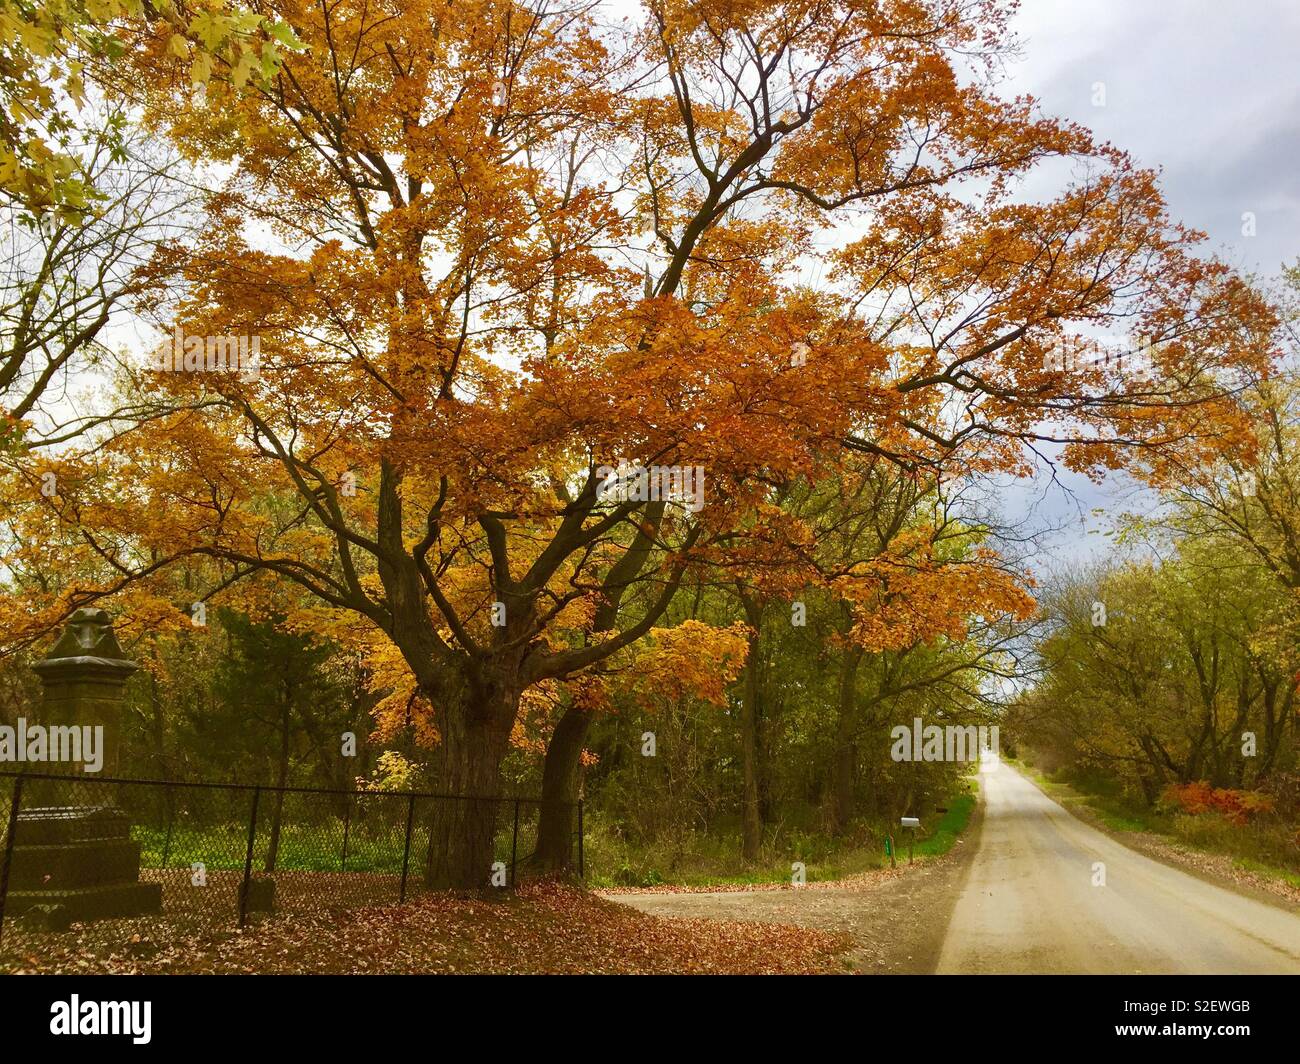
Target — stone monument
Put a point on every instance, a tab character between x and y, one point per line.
73	856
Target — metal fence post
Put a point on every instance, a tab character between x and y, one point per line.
406	852
347	827
248	859
428	854
514	846
9	848
582	873
171	822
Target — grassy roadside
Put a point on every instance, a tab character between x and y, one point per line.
951	825
1108	807
709	861
1235	852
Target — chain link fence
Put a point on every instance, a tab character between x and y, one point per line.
116	854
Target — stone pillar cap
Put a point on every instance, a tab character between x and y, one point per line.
87	642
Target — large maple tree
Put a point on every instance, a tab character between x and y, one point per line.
489	248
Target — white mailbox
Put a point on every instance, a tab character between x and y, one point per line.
911	822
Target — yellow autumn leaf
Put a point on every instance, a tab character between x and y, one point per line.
201	69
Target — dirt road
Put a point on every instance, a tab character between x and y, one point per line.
1034	902
1032	890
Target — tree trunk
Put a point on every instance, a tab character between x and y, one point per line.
158	726
750	821
564	752
555	825
462	826
845	767
281	780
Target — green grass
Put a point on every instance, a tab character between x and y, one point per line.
949	828
1251	865
714	860
302	849
216	847
700	860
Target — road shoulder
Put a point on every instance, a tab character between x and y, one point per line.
1220	870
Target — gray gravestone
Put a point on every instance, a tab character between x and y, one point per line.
73	856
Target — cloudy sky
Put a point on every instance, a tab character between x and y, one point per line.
1207	92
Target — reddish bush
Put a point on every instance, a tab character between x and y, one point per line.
1199	797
